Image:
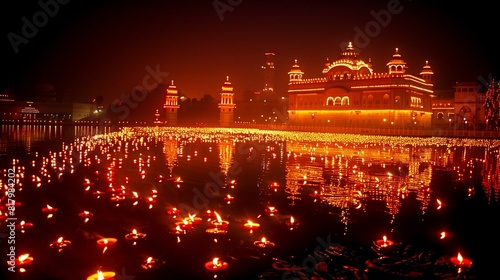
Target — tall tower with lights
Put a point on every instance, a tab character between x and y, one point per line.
269	73
226	104
171	104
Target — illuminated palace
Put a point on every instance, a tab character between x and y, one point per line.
351	94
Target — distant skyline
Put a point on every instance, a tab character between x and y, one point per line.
91	48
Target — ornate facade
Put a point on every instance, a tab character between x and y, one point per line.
226	105
171	104
351	94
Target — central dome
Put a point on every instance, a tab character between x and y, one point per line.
347	65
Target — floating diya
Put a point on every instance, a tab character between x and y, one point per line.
184	224
173	211
86	215
292	223
106	242
271	210
251	225
178	230
460	261
49	209
60	244
216	231
134	235
24	260
209	213
219	223
102	275
384	242
274	186
228	198
263	243
216	265
152	263
193	219
24	225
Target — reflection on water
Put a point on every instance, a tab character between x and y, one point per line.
24	139
351	188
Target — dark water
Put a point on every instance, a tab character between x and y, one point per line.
408	189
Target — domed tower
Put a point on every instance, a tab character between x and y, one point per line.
171	104
226	105
427	73
346	66
295	73
397	65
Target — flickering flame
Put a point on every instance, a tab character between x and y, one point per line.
460	258
49	207
134	231
443	235
191	217
271	208
100	276
439	203
59	240
385	239
86	212
22	258
22	223
250	224
149	260
263	240
292	220
218	217
215	262
178	228
105	241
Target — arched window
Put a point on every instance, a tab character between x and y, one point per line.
345	100
330	101
386	99
397	100
440	115
338	101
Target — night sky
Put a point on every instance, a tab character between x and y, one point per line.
91	48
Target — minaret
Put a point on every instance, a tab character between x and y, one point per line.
226	105
171	104
295	73
157	117
269	73
396	65
427	73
